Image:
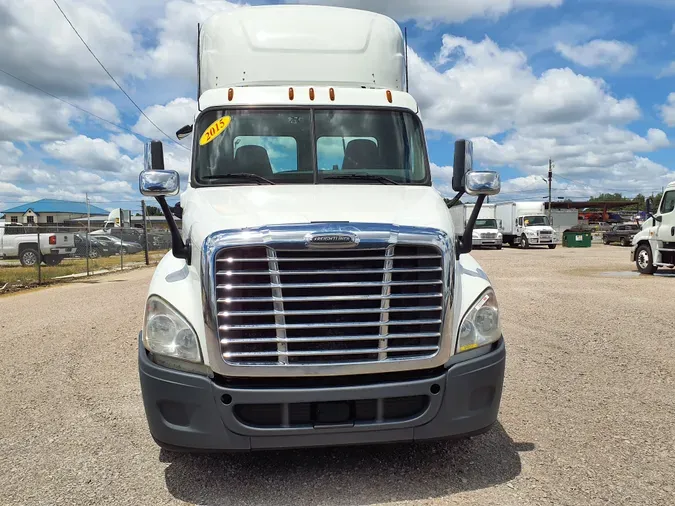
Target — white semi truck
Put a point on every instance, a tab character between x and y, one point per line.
316	294
486	230
526	224
654	245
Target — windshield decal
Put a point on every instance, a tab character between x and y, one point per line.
215	129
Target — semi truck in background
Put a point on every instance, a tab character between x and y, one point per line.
525	224
486	230
653	247
317	293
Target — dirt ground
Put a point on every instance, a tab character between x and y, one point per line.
587	415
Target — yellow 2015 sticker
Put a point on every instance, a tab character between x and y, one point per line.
214	130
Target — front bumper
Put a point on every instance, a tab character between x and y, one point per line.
486	242
541	240
191	412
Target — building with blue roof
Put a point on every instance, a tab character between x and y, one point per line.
50	211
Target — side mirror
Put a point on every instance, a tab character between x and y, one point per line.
482	183
183	132
648	205
463	163
159	183
153	156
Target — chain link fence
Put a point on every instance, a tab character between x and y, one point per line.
34	255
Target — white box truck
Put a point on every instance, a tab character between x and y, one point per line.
654	246
486	231
316	293
526	224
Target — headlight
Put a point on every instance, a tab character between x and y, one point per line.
167	333
531	233
481	324
499	235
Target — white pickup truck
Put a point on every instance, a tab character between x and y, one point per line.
317	293
17	241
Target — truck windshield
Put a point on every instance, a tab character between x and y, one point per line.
303	146
535	221
486	224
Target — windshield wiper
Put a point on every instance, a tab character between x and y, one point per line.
240	175
372	177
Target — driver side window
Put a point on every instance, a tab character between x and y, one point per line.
668	202
520	222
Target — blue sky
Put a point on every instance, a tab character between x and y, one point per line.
585	82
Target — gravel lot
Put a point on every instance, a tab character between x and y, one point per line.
587	413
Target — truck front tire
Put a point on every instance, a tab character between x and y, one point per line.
28	257
524	243
644	260
552	246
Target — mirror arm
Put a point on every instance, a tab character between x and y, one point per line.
464	243
178	247
456	198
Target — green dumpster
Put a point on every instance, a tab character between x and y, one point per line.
577	239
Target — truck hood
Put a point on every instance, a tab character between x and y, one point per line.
206	210
539	228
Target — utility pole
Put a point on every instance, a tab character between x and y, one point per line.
550	179
145	230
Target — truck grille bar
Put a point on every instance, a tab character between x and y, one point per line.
302	307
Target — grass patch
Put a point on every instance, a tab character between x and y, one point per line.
28	276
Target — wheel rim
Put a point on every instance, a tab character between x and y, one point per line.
29	258
93	254
643	259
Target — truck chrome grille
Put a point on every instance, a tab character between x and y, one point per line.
281	307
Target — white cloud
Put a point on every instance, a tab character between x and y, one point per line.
9	153
599	53
102	107
176	51
170	117
46	52
668	71
489	90
91	154
129	143
668	111
572	118
425	11
27	117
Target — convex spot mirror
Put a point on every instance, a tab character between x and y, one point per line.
183	132
159	183
482	183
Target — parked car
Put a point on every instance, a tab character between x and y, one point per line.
623	234
115	242
96	248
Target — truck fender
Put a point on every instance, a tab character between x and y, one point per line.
470	282
171	281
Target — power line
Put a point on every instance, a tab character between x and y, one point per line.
113	79
71	104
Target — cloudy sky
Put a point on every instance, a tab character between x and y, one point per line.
589	83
